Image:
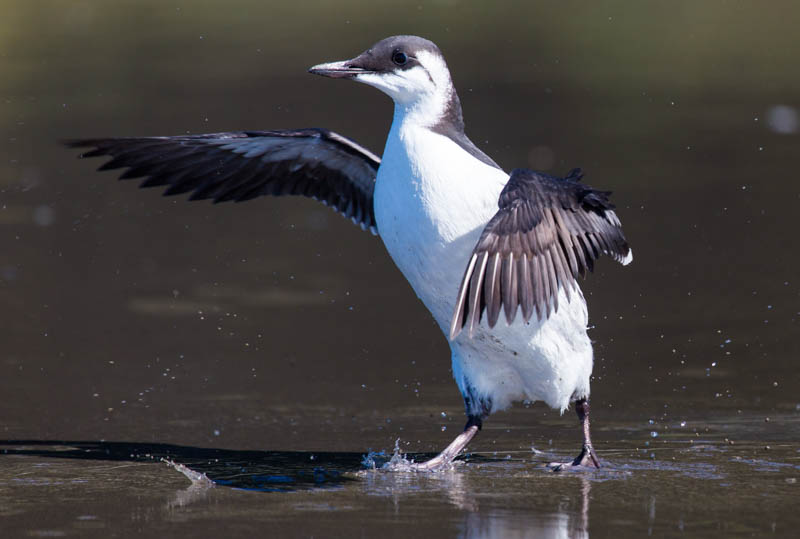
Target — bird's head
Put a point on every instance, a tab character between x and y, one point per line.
409	69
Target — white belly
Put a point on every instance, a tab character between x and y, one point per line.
430	217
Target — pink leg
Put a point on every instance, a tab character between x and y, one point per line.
445	458
587	456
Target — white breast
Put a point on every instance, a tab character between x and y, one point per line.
432	200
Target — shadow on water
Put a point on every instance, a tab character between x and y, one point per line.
268	471
265	471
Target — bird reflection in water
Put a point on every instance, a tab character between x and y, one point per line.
568	518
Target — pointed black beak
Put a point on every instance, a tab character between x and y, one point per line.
339	70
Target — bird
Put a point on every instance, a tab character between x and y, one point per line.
474	241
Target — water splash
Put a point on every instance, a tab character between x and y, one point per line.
398	462
197	478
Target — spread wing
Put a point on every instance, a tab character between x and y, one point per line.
547	232
315	163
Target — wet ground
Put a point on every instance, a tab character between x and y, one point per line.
270	346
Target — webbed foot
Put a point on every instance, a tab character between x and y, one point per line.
444	460
587	459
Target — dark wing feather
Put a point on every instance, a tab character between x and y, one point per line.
315	163
547	232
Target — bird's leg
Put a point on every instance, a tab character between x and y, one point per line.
445	458
587	456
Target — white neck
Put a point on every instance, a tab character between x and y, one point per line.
424	112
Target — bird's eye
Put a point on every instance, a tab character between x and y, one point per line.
400	58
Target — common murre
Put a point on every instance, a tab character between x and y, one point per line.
472	240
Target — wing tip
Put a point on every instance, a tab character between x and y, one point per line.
455	330
460	317
457	323
627	259
92	145
576	174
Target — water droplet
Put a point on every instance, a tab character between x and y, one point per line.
653	434
44	215
783	119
